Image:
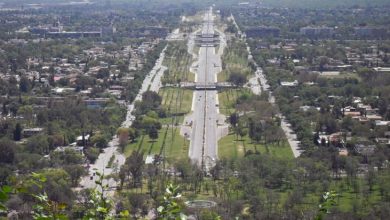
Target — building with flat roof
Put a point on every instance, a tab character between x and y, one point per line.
74	34
152	32
371	32
317	32
262	31
28	132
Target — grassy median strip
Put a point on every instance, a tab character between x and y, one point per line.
234	60
178	61
177	103
176	146
233	147
228	99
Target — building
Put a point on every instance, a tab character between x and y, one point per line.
96	103
153	32
74	34
28	132
289	84
77	149
382	69
56	31
371	32
317	32
42	30
262	31
80	142
365	149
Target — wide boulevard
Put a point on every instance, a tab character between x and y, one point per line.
203	145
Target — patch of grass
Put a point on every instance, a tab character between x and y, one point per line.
223	76
178	61
234	59
111	161
228	98
177	103
175	146
231	147
347	196
196	49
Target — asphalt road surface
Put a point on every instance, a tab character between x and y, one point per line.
205	118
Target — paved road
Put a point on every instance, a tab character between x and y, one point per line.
206	123
152	82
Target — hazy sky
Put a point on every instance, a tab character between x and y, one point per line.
274	3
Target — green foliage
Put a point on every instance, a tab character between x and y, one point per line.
7	149
45	209
153	133
92	154
24	85
170	208
18	132
237	79
5	191
38	144
328	201
100	205
99	140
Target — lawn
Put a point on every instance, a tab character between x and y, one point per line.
177	103
178	62
227	99
347	196
235	60
223	76
230	147
169	140
196	49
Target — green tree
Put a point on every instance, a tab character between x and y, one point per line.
18	132
123	137
328	201
75	173
133	134
92	154
38	144
233	119
27	112
99	140
241	130
170	208
237	79
153	133
7	149
135	163
24	84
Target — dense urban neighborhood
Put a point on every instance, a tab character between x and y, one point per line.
206	110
